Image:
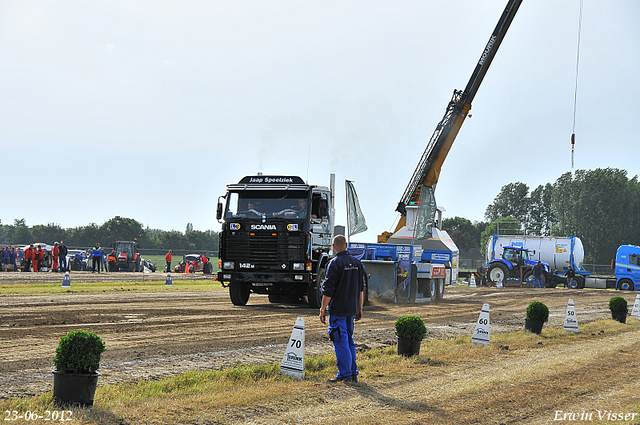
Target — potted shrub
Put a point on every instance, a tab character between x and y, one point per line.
537	315
76	364
618	307
410	331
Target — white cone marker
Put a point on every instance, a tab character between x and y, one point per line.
168	282
66	282
570	319
472	282
481	333
293	361
636	307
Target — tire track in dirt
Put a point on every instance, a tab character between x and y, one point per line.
174	329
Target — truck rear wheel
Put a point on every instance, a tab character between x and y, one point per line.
238	293
548	281
314	292
497	273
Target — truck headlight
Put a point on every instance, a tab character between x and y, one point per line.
228	265
298	266
299	277
226	276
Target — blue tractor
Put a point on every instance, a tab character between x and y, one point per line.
515	268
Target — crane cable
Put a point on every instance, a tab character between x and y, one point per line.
575	93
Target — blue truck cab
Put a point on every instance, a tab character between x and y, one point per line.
628	268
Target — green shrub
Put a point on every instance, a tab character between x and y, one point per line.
411	327
538	311
618	304
78	352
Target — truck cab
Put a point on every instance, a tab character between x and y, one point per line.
628	268
275	239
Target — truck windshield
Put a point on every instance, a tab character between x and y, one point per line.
269	204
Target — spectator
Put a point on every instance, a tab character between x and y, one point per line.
28	255
6	257
62	255
167	258
96	256
55	253
36	258
13	259
112	261
537	274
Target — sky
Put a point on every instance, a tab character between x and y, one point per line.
148	109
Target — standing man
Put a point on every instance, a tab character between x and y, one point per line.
36	259
167	258
342	298
571	276
537	274
28	256
55	253
62	256
96	256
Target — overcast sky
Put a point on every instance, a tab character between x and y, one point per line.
147	109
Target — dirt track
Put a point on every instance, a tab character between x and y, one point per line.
158	334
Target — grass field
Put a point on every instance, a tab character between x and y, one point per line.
259	394
35	289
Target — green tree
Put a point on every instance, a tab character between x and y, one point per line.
541	217
121	229
48	234
502	226
173	239
21	235
601	207
463	232
513	201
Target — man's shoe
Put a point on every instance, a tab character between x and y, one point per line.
354	379
336	380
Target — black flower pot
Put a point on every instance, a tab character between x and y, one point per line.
74	389
534	326
620	316
408	347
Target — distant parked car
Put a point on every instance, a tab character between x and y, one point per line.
196	264
77	260
149	265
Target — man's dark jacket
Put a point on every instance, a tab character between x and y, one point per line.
344	282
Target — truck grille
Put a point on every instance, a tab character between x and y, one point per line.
264	249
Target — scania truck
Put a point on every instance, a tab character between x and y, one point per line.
276	238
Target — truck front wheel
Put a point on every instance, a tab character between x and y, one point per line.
239	293
314	292
497	273
625	285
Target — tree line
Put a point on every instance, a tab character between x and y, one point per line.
601	207
117	228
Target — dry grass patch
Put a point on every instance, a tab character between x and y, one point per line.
448	375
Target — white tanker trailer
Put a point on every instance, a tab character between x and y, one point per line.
557	252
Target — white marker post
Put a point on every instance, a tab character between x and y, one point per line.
481	333
472	281
570	319
66	282
293	361
636	308
168	282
